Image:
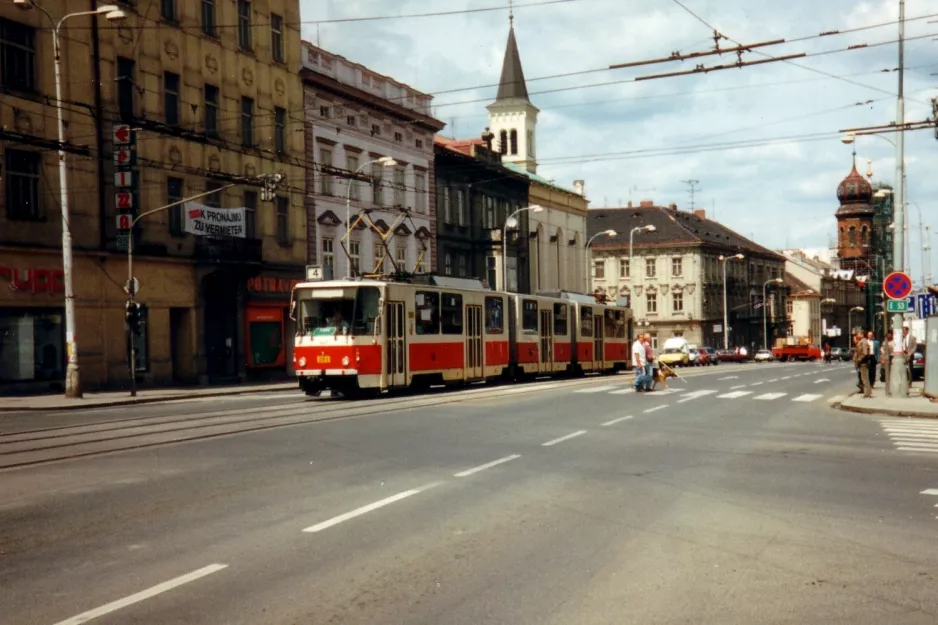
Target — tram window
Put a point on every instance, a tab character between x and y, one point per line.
366	310
324	312
428	312
586	321
560	320
452	313
529	315
494	315
620	324
610	323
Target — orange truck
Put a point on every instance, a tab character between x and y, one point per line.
801	352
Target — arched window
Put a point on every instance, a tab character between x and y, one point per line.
843	239
503	142
514	142
865	236
852	236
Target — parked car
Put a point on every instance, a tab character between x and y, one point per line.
731	355
800	353
693	355
703	357
714	360
764	355
837	353
676	352
918	362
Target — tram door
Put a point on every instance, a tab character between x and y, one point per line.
547	341
473	342
396	352
599	352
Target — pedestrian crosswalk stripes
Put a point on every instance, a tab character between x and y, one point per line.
734	395
687	395
807	397
769	396
595	389
912	435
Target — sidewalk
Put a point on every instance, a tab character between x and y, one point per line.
123	398
915	405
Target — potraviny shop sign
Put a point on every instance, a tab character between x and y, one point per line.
216	222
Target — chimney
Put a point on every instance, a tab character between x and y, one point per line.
646	204
579	187
673	207
701	213
630	203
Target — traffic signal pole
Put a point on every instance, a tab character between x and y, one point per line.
899	373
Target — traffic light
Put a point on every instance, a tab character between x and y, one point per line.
132	317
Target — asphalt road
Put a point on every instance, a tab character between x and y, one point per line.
741	498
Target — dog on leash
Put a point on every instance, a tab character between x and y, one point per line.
661	377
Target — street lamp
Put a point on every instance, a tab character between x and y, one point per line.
385	161
648	228
850	313
112	13
589	254
765	305
726	334
534	209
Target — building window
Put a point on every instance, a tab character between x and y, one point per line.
447	264
17	56
168	10
325	160
514	142
350	120
418	143
250	214
789	308
208	18
400	254
462	266
491	271
399	137
461	217
22	185
276	37
677	266
351	164
489	212
328	255
210	93
280	130
399	186
599	269
244	25
420	193
379	253
377	190
852	236
213	200
125	88
355	254
283	221
865	236
324	112
623	267
171	98
174	194
651	303
503	142
247	122
33	344
531	143
677	302
650	267
422	262
447	206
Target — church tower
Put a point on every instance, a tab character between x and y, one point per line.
512	117
855	221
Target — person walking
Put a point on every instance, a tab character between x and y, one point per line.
649	363
885	360
909	343
861	356
639	360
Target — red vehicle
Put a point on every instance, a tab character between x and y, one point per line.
807	352
365	336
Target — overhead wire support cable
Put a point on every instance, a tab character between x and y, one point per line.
700	69
677	56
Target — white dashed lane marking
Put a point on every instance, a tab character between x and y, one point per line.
734	395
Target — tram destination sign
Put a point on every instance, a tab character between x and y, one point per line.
217	222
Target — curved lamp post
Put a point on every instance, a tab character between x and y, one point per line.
648	228
112	13
765	305
589	255
849	316
726	330
534	209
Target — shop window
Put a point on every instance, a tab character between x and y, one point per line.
586	321
22	185
529	315
494	315
32	345
560	319
427	308
141	341
266	342
452	313
17	56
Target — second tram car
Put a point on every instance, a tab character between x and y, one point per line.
360	337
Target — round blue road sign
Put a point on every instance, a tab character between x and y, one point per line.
897	285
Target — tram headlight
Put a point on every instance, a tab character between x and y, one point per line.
302	361
345	361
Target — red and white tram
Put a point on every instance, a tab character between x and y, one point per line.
364	336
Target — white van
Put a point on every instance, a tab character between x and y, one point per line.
675	352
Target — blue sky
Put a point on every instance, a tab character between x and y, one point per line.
782	194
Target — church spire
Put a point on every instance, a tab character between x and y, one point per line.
512	85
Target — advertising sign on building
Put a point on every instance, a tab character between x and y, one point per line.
217	222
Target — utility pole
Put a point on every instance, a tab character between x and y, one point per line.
692	185
899	379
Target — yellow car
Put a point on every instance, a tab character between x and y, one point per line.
675	357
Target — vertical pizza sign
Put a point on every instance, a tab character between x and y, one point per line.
125	179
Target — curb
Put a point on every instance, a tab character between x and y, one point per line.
885	411
141	400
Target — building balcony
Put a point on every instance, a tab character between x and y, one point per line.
227	250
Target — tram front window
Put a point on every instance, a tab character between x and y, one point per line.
337	312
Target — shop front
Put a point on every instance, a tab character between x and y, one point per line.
269	331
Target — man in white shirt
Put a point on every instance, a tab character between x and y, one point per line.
638	364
